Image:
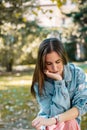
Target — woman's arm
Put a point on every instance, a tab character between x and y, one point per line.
68	115
44	102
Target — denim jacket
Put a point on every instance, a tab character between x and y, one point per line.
59	96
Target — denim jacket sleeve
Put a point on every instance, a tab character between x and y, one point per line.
80	96
45	99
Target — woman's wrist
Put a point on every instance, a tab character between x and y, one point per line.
52	121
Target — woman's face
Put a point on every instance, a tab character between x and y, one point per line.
54	63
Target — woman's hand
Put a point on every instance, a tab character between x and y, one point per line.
55	76
41	121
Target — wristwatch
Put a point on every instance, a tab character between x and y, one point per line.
57	118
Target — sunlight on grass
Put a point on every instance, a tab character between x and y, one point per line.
16	79
9	81
16	83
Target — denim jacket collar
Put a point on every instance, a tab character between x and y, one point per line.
67	73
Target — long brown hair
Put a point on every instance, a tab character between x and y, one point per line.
47	46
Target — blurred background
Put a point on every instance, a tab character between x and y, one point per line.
23	25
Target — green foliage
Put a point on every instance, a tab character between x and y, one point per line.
79	32
14	10
59	2
20	43
63	2
71	50
19	32
84	29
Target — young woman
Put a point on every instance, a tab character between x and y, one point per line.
59	87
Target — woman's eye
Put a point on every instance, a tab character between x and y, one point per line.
48	63
57	62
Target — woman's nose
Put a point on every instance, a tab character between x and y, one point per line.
54	68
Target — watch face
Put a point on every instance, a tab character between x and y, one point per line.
57	117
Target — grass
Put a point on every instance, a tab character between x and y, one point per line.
17	106
18	79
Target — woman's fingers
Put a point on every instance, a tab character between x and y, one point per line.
55	76
38	122
35	121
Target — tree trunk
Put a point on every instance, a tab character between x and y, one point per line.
9	66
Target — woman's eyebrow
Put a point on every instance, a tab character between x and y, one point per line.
56	60
59	60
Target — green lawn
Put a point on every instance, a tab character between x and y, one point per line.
17	106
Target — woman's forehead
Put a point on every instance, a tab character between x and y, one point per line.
52	56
